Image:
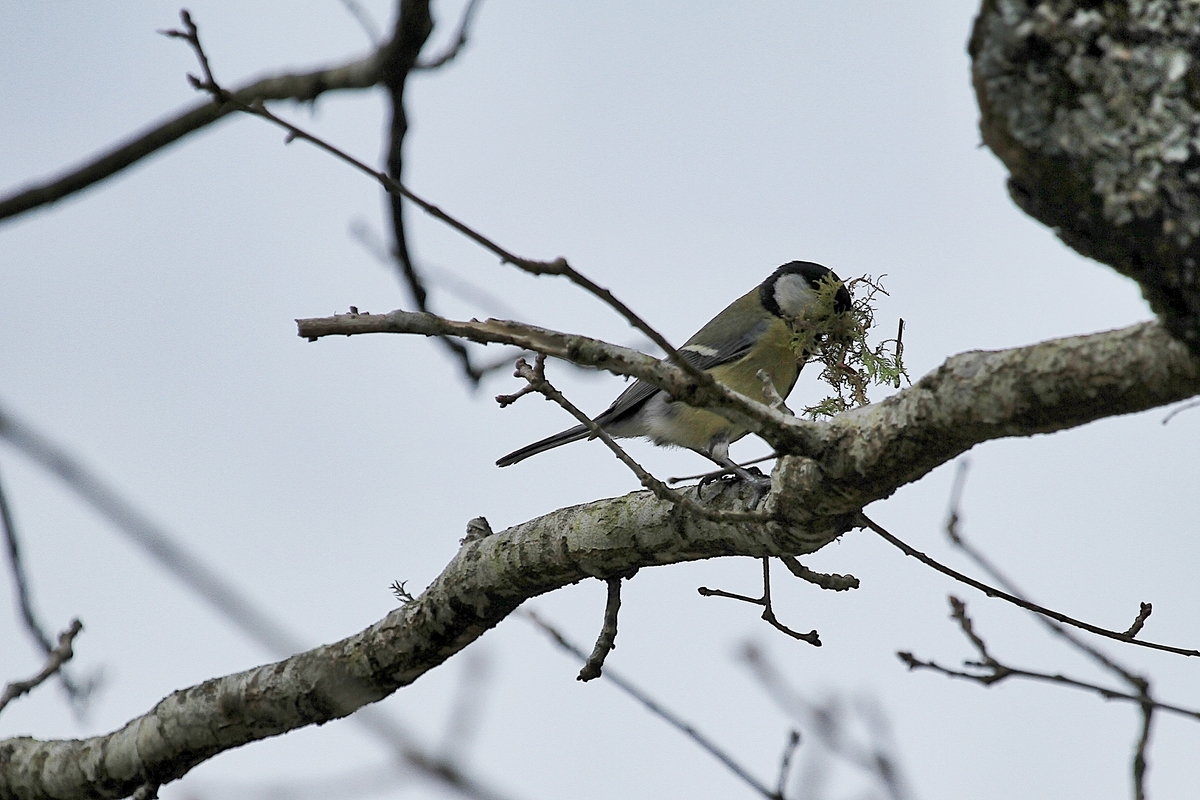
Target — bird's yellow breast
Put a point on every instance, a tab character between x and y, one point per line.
773	353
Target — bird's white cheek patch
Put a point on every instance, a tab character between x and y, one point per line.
701	349
793	294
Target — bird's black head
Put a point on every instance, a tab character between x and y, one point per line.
792	287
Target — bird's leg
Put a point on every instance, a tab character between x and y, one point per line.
717	450
759	483
718	453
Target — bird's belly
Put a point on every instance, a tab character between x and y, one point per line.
670	423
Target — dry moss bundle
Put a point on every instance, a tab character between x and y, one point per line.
849	364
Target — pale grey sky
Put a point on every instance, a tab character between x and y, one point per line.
676	153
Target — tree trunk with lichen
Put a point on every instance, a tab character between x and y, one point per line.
1093	108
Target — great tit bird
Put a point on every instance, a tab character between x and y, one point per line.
753	333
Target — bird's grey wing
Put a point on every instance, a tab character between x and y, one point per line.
730	349
700	356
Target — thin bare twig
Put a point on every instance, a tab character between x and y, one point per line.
1180	410
1139	754
989	670
593	667
457	43
768	614
785	761
718	473
956	490
654	707
1143	614
79	693
992	591
558	266
360	74
364	20
20	579
1139	683
59	655
413	27
832	582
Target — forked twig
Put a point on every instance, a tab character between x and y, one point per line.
989	670
812	637
59	655
1138	683
78	692
458	42
992	591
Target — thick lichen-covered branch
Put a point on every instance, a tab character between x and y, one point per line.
978	396
861	456
487	580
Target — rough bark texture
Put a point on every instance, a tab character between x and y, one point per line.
864	456
982	395
1093	108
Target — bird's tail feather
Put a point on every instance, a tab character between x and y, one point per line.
549	443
